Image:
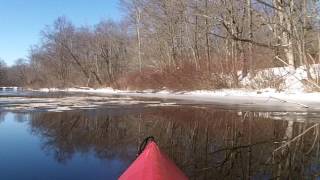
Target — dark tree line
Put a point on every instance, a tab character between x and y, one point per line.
168	41
14	75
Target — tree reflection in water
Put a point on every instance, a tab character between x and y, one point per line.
205	143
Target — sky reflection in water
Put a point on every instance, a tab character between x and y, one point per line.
23	156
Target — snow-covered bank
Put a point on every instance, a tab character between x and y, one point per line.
264	100
285	79
280	88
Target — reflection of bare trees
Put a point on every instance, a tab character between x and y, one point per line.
2	115
67	133
301	146
21	117
205	143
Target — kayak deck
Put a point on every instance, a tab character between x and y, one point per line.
152	164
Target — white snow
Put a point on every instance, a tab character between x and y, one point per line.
293	92
295	80
11	88
262	99
70	103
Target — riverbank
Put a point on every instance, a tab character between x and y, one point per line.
262	100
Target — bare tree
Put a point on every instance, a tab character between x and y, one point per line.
3	73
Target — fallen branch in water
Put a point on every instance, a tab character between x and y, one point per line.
295	138
239	147
292	102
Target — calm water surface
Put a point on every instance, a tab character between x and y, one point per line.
205	142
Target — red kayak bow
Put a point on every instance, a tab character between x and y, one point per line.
152	164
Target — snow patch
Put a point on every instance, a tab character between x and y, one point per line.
293	90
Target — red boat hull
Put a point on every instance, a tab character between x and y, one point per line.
152	164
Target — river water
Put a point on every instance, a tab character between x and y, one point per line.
205	141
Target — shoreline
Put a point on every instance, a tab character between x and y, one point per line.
263	100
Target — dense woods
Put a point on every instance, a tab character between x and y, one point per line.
176	44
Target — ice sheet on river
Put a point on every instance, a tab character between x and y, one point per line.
264	99
71	103
50	104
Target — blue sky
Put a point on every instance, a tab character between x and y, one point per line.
22	20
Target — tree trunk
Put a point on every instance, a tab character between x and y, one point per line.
138	18
285	26
207	39
250	54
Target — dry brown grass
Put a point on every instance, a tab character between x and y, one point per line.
183	77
